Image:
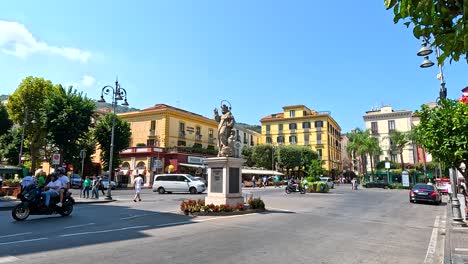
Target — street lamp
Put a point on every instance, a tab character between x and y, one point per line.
424	52
118	93
25	122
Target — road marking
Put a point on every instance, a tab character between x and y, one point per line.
20	234
79	225
279	209
8	259
174	223
222	217
23	241
104	231
133	216
432	243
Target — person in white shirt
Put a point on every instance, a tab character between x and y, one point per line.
52	189
138	183
63	178
28	180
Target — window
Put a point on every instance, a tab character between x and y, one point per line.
245	138
319	153
181	178
210	133
267	128
280	127
181	143
319	137
393	157
238	135
292	113
318	123
292	139
181	130
153	125
391	126
268	140
374	128
292	126
306	138
305	124
150	142
198	130
280	139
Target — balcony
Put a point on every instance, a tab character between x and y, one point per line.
198	137
152	133
267	132
306	143
375	132
318	128
280	131
181	134
211	140
319	142
292	130
306	130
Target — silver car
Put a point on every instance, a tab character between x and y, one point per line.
177	183
329	182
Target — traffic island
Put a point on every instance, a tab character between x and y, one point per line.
199	208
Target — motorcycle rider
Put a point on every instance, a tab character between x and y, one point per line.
63	178
52	189
293	183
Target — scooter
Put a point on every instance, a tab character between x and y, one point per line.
33	203
295	188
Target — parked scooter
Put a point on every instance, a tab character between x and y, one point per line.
295	188
32	203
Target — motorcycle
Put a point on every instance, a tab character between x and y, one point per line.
33	203
291	188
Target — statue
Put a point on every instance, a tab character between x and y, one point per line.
225	130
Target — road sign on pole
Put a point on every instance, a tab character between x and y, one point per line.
56	159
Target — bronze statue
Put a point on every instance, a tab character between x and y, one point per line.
225	131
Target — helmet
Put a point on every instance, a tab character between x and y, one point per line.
60	170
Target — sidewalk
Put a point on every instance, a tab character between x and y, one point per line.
7	203
456	240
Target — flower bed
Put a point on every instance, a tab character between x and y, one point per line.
198	207
10	191
317	187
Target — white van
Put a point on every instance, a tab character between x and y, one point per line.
329	182
177	183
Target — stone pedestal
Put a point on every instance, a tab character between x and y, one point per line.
224	181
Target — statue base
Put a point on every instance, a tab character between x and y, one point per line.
224	181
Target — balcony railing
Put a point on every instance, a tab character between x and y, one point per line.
152	133
306	130
306	143
211	140
318	128
374	132
319	142
280	131
292	130
198	137
181	134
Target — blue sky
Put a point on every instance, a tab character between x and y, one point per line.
337	56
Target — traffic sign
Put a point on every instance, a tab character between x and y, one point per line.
56	159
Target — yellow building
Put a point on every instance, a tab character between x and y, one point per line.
166	138
298	125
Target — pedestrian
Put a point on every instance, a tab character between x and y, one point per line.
464	191
429	182
353	182
276	181
86	187
138	183
449	192
95	188
264	181
101	185
253	181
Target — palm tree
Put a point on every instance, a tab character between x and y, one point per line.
414	137
373	149
398	141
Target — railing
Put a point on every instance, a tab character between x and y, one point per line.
152	133
181	134
211	140
198	137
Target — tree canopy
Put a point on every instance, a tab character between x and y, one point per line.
443	131
5	122
446	21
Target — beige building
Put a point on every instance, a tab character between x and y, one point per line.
299	125
381	122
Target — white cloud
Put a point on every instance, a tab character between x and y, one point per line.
88	80
16	40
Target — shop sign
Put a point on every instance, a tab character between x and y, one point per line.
195	160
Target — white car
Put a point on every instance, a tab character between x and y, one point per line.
329	182
177	183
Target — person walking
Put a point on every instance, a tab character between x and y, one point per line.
264	181
253	181
353	183
95	189
101	186
449	193
138	183
86	187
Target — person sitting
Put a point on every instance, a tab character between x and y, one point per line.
293	183
52	189
26	181
65	184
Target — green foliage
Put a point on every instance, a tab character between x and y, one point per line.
443	132
141	145
398	141
247	155
307	155
122	135
361	144
255	128
256	203
400	186
381	165
315	168
318	186
10	145
446	21
312	179
289	156
262	156
68	120
5	122
197	146
196	206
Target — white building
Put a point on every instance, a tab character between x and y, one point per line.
245	138
381	123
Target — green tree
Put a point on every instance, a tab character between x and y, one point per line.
289	157
68	119
372	148
28	102
262	156
443	132
307	155
398	142
247	155
122	135
315	168
445	20
5	122
356	148
10	145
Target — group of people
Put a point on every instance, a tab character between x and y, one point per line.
265	179
95	186
56	184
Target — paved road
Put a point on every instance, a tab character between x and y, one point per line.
344	226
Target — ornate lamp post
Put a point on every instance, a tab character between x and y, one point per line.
424	52
118	93
25	123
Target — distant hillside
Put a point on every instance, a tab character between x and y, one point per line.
118	109
255	128
3	97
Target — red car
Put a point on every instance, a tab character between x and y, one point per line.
425	193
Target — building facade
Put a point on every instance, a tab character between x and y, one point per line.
381	122
298	125
245	138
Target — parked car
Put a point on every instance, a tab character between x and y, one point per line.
177	183
76	181
105	184
442	185
202	180
424	193
377	184
329	182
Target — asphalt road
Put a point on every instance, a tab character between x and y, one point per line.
344	226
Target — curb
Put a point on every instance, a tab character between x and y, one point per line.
9	207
